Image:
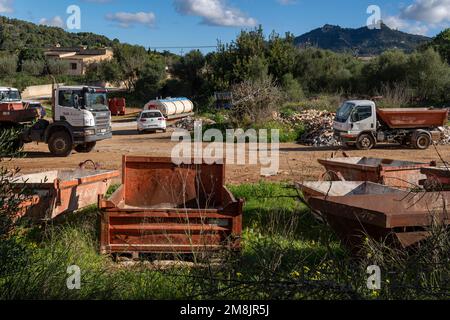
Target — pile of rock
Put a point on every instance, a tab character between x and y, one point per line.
318	127
188	123
445	136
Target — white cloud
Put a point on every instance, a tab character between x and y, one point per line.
215	13
6	6
127	19
53	22
421	16
428	11
414	27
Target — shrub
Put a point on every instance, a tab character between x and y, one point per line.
8	65
33	67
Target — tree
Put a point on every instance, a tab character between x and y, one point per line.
190	70
150	82
429	75
132	61
389	68
281	55
33	67
441	43
254	101
292	88
108	71
8	65
30	54
57	67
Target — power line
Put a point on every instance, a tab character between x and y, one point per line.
191	47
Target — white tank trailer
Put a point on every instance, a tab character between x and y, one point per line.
172	108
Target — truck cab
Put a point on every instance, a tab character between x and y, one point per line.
354	118
81	117
85	110
10	99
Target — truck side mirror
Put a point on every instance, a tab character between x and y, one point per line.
355	117
76	101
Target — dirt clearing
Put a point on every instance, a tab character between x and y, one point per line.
297	162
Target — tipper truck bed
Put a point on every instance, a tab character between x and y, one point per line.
413	118
360	123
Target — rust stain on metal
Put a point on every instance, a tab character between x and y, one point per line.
437	178
400	217
165	208
394	173
58	192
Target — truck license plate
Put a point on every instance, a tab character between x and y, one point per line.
103	130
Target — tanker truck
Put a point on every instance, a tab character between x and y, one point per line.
172	108
361	124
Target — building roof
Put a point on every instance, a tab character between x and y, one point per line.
76	53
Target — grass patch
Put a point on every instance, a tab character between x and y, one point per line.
286	255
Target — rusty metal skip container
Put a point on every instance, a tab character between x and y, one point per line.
166	208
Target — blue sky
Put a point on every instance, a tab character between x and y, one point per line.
161	23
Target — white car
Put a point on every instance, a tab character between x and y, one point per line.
151	121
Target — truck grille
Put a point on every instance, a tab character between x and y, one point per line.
102	120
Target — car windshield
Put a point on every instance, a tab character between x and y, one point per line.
96	102
344	112
150	115
10	95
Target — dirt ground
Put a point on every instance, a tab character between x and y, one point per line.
297	162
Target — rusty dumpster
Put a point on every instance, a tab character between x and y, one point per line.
401	219
326	189
166	208
438	178
394	173
342	188
53	193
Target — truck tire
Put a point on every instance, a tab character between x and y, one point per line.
365	142
60	144
421	141
85	148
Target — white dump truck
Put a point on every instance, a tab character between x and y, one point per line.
81	118
172	108
360	123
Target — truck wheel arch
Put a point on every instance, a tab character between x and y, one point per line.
371	136
415	137
52	128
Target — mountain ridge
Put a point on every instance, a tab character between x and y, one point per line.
360	41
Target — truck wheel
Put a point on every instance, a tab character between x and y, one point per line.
85	148
60	144
422	141
365	142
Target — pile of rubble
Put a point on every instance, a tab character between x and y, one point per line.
318	127
446	136
188	123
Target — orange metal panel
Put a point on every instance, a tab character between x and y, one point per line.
163	207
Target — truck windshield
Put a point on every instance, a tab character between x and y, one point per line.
344	112
96	102
10	95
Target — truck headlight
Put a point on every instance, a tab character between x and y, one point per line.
89	132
